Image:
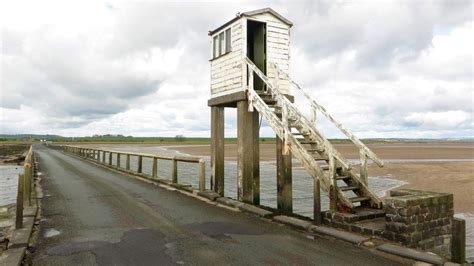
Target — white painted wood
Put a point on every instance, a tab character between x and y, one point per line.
229	72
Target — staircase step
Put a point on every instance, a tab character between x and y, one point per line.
321	159
308	142
326	167
358	199
343	177
270	102
315	150
348	188
300	134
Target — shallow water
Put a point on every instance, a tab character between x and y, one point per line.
302	182
9	183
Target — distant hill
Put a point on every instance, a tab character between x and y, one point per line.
181	138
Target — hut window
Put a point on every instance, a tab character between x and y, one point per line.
227	40
215	46
221	44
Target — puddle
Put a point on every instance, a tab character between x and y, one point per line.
51	232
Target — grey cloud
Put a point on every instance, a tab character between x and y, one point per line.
400	31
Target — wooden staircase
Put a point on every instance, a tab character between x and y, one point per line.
347	189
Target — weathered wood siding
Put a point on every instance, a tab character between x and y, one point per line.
226	70
227	73
278	48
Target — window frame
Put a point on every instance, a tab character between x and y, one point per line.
222	46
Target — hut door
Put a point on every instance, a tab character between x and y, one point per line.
257	49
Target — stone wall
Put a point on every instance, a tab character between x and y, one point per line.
420	219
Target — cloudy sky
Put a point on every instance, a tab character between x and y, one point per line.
384	68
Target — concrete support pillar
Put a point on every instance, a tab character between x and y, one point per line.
248	158
284	178
317	218
217	149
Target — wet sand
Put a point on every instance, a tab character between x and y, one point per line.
434	166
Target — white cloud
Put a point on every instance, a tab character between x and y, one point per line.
385	69
439	120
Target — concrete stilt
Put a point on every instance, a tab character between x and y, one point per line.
217	149
284	179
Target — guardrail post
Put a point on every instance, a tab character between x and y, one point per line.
110	158
28	175
127	163
174	171
202	175
364	176
19	202
140	164
154	170
103	156
118	160
98	155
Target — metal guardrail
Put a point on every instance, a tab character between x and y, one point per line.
105	157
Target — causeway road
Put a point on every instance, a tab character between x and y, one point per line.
95	216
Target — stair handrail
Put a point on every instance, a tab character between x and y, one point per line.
364	150
288	104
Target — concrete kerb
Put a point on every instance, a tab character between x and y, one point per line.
13	256
19	241
338	234
20	238
411	254
294	222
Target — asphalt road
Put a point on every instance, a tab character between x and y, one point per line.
94	216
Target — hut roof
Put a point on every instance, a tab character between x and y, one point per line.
252	13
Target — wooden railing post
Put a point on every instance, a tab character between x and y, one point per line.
127	163
202	175
19	202
333	184
140	164
118	160
154	170
174	171
364	176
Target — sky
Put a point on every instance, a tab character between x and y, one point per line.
385	69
